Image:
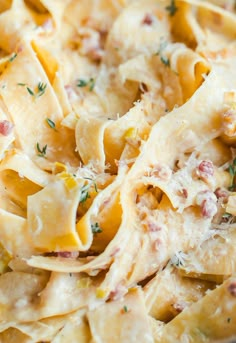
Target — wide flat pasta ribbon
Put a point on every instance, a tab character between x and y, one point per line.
36	103
125	320
62	234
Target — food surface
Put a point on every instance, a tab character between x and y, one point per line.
117	171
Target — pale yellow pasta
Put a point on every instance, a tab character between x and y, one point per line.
117	171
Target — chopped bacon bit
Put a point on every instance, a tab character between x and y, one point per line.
64	254
232	288
161	171
205	170
207	202
153	227
209	209
222	193
148	19
68	254
183	192
6	127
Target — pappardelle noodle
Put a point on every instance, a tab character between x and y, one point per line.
117	171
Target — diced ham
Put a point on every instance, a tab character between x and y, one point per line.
222	194
184	193
68	254
205	170
153	227
207	202
232	288
147	20
64	254
6	127
161	171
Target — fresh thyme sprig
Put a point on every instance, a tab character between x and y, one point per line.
172	8
13	56
232	171
41	88
164	59
41	152
84	83
84	195
51	123
96	228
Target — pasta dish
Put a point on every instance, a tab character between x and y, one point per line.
117	171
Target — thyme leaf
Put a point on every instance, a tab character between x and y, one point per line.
41	89
232	172
164	59
94	183
51	123
96	228
30	91
86	83
84	195
125	308
12	57
172	8
41	152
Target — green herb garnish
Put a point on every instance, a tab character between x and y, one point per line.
226	215
51	123
82	83
232	171
13	57
165	60
172	8
84	193
86	83
94	183
30	91
96	228
85	190
125	309
41	89
41	152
